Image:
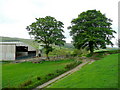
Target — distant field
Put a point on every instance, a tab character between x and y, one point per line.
29	41
109	49
13	75
100	74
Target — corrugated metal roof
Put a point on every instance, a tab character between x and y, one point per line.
16	43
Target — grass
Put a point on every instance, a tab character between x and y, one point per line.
29	42
14	75
100	74
0	76
108	50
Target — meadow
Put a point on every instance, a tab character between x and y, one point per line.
0	75
28	74
102	73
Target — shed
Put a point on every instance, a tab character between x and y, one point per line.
16	50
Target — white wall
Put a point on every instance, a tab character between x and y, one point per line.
7	52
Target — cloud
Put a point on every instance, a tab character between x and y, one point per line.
15	15
18	10
14	30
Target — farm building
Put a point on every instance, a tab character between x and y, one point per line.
16	50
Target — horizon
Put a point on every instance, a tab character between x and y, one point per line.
108	46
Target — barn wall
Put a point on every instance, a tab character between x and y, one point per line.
7	52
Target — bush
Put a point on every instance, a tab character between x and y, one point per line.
38	78
109	51
46	78
60	71
26	83
49	77
89	55
72	65
114	51
50	74
80	53
61	52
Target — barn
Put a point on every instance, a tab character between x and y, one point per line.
16	51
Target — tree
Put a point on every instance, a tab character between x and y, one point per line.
47	31
91	29
119	43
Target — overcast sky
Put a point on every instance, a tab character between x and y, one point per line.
15	15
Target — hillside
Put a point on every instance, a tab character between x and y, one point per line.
100	74
28	41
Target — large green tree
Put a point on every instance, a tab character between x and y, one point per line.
47	31
119	43
91	29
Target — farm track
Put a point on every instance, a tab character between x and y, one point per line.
47	84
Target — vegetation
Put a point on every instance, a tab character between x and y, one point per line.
68	45
0	75
30	75
30	42
91	29
61	52
47	31
68	52
72	65
79	53
119	43
100	74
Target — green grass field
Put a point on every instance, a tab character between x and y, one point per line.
15	74
100	74
0	75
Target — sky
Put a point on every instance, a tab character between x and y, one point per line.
15	15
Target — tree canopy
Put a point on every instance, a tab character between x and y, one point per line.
119	43
91	29
47	31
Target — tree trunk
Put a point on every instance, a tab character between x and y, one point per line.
91	47
47	56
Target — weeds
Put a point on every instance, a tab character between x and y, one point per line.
38	78
72	65
26	83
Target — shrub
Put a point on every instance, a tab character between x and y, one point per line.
80	53
60	71
89	55
26	83
97	55
38	78
61	52
72	65
50	74
114	51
